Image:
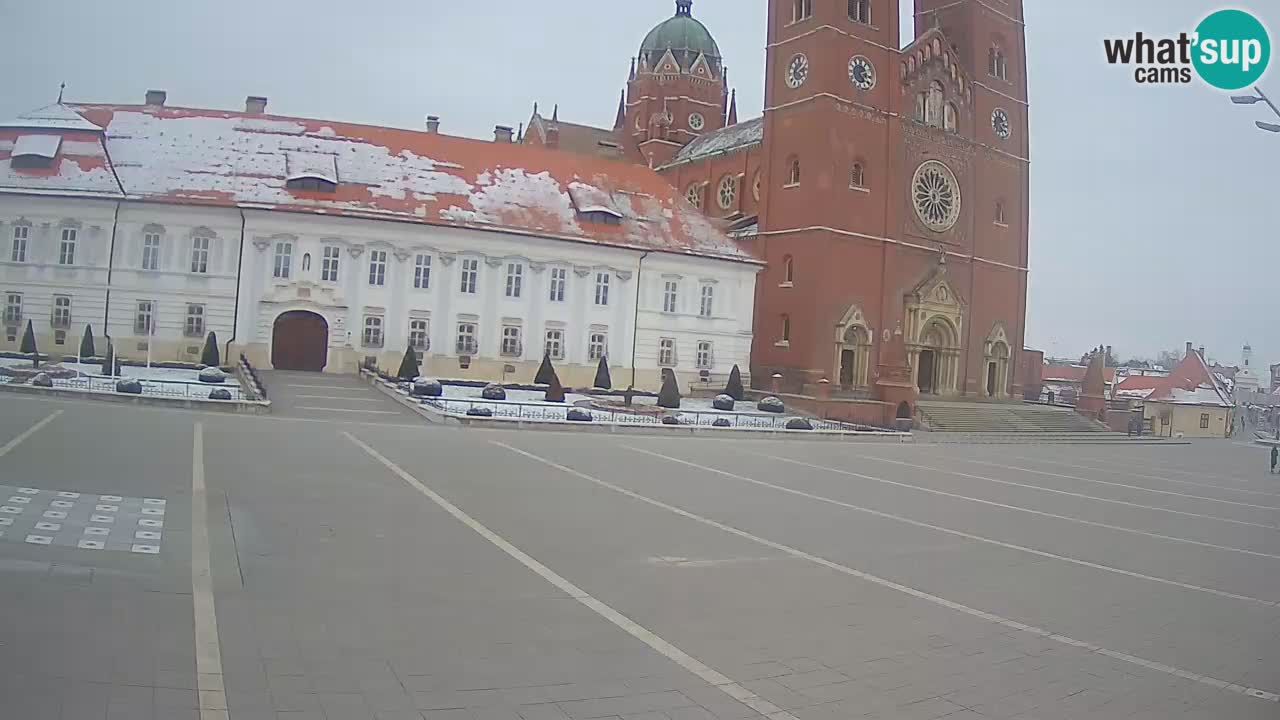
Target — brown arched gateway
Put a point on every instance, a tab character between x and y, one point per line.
300	341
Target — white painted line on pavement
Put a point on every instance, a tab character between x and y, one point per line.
328	387
959	533
680	657
1017	508
350	410
1166	468
212	695
1122	485
337	397
28	433
1130	473
1082	496
919	594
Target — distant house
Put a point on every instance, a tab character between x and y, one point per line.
1064	381
1191	402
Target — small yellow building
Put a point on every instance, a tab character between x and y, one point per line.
1191	402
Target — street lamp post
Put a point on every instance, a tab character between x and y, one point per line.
1252	100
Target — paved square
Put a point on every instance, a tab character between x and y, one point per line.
392	570
84	521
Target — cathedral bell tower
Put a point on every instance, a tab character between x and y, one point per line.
677	89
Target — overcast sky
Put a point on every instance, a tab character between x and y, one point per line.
1148	204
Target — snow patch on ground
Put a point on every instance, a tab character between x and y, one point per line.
157	382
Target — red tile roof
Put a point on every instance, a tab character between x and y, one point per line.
211	157
1072	373
1191	383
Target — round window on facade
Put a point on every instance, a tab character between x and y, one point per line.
935	195
696	121
727	193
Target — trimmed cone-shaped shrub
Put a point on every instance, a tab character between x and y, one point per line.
555	391
734	389
86	343
29	344
493	391
408	365
545	371
669	395
209	355
109	360
723	402
220	394
603	381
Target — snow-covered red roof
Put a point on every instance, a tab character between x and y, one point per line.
1137	386
1191	383
78	166
52	117
211	157
1073	373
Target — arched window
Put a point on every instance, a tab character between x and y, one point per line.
933	110
793	172
788	270
997	66
860	11
306	262
922	104
801	10
937	46
950	117
786	328
999	218
911	64
694	195
857	176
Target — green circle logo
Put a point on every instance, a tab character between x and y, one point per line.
1232	49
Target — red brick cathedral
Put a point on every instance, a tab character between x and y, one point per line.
887	189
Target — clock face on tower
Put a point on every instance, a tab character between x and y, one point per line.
862	73
1000	123
797	71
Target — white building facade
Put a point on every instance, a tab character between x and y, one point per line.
522	261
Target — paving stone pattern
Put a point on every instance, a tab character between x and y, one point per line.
81	520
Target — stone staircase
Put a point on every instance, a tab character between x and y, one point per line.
1013	422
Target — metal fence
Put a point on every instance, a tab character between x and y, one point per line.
509	410
192	390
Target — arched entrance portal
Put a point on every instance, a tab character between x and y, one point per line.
300	341
937	360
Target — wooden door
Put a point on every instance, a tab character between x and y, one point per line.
300	341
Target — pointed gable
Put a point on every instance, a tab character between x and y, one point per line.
667	64
1191	383
701	68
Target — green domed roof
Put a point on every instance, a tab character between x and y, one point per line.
680	33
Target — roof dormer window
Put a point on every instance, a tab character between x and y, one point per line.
33	152
311	172
594	204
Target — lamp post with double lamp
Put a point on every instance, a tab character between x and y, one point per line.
1254	99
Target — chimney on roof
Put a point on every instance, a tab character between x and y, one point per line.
156	98
433	124
1190	348
502	133
255	105
1201	352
